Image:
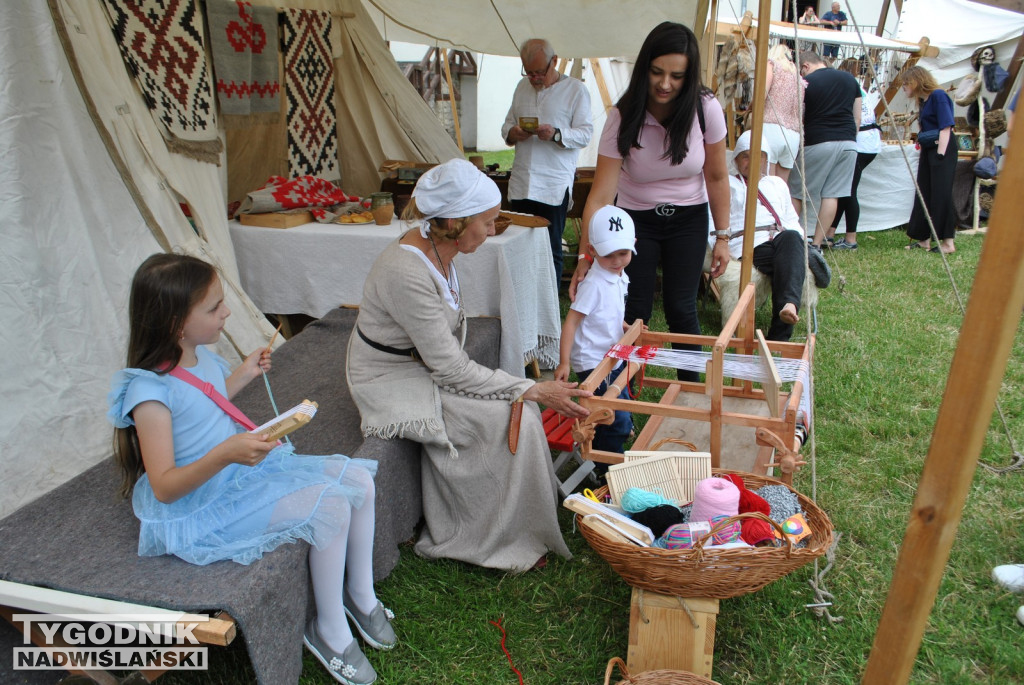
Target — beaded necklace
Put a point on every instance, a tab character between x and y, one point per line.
449	276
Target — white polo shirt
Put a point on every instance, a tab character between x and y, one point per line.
544	170
601	298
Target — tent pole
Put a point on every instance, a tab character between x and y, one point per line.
986	338
756	124
1018	55
602	87
451	98
708	43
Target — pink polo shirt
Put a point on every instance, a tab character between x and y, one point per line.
648	178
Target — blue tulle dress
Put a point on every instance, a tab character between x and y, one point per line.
242	512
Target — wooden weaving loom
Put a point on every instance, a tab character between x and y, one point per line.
773	428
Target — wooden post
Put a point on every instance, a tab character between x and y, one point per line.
708	44
884	16
757	123
602	87
1018	55
975	375
451	98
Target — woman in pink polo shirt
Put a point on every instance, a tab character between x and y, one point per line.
662	159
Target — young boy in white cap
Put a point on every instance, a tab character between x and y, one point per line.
596	318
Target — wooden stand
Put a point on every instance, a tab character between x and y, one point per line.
772	431
663	635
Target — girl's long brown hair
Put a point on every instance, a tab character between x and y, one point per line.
164	290
921	81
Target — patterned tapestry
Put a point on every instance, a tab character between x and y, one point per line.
161	42
244	43
309	89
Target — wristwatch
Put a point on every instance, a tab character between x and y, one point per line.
721	235
557	137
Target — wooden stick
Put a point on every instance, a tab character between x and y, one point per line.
270	345
975	375
451	98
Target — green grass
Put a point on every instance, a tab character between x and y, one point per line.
501	157
887	331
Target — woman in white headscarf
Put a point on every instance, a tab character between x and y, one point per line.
411	379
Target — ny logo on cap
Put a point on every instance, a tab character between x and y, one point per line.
615	223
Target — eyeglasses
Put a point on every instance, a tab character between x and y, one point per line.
538	74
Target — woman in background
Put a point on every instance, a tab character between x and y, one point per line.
782	112
937	165
662	159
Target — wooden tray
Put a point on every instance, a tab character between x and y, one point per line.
276	219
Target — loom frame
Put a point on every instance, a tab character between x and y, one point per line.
775	434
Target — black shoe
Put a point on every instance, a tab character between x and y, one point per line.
819	267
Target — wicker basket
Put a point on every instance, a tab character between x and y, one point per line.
714	573
660	677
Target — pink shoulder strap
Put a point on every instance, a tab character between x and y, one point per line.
211	392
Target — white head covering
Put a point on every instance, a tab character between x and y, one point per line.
743	143
454	190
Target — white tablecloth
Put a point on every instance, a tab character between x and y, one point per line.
886	191
314	268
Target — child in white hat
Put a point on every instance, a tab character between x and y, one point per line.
596	318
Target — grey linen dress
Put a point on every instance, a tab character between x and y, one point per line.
482	504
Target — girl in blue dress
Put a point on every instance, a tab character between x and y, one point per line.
206	490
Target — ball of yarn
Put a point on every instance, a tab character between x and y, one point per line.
659	518
783	502
684	535
714	497
635	500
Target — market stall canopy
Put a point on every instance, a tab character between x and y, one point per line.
958	28
576	28
813	34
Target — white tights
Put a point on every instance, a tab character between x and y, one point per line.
349	553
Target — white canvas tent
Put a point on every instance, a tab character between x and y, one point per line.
91	189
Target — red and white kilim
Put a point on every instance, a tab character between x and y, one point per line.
309	89
322	198
161	42
244	43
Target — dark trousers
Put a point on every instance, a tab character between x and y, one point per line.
935	177
556	215
611	437
849	205
677	243
782	259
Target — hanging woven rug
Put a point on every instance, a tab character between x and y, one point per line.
161	42
309	89
244	43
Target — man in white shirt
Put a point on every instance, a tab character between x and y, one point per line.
548	122
778	238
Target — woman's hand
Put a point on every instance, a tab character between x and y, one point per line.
246	449
558	396
719	258
582	267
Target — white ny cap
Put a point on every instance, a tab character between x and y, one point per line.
611	229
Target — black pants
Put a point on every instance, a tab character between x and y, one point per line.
677	243
782	259
849	205
935	178
556	215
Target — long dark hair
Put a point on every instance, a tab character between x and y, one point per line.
667	38
164	290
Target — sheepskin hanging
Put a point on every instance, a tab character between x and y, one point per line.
735	74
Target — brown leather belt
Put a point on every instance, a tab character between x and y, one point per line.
770	229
